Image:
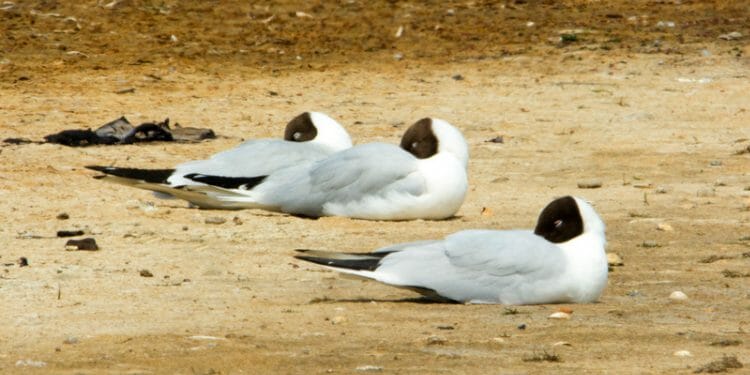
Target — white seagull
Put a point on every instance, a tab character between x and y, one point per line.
425	178
561	261
308	137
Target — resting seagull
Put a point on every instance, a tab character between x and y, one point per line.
561	261
424	178
308	137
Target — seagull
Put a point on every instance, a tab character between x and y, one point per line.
561	261
308	137
424	178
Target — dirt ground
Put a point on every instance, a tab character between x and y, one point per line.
643	96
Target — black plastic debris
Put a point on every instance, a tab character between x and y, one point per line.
121	131
88	244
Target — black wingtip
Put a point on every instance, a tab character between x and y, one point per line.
157	176
245	183
357	264
97	168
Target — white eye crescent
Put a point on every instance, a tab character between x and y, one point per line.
414	145
297	136
558	223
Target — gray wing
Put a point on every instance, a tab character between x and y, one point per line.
480	266
369	171
250	159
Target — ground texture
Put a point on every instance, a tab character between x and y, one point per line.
649	98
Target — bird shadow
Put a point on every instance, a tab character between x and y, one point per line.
417	300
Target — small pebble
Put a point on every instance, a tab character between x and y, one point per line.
661	190
458	77
369	368
650	244
86	244
23	262
589	184
146	273
215	220
498	340
71	340
521	326
69	233
664	227
715	163
678	296
734	35
436	340
614	260
559	315
30	363
398	56
562	343
706	192
498	139
682	353
237	221
338	319
63	216
486	211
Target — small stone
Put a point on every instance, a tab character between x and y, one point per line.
215	220
338	319
614	260
715	163
398	56
664	227
559	315
521	326
458	77
682	353
237	221
734	35
498	139
650	244
63	216
369	368
486	211
145	273
706	192
70	340
589	184
86	244
678	296
69	233
661	190
498	340
30	363
562	343
436	340
565	309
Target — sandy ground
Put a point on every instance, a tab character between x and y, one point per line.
663	131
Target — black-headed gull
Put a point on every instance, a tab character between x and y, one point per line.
561	261
425	178
308	137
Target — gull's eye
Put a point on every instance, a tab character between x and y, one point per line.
414	145
297	136
558	223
